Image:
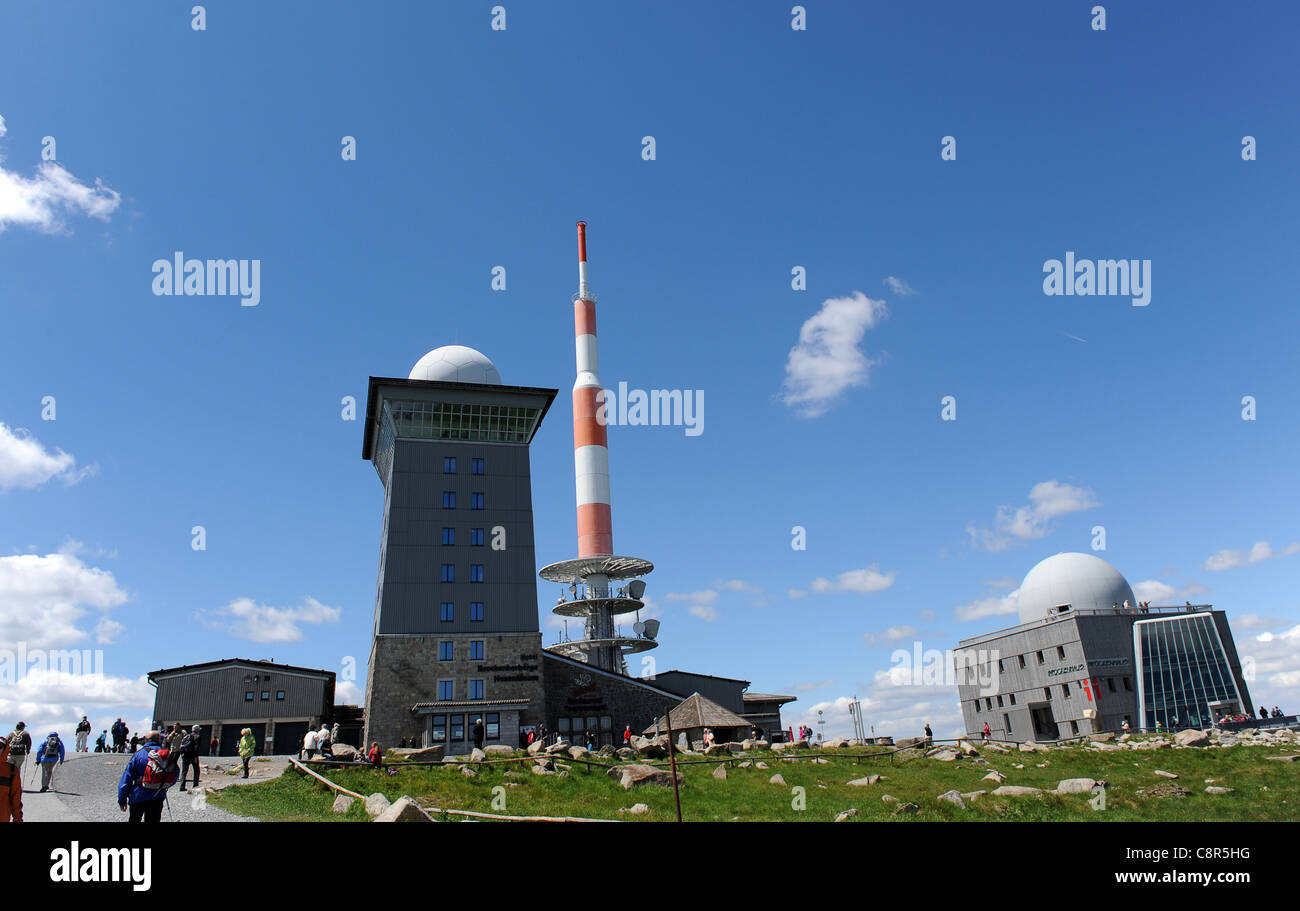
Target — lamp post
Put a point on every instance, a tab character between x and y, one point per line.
821	723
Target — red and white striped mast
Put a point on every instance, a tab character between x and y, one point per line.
590	444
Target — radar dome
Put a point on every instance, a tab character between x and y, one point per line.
456	364
1086	583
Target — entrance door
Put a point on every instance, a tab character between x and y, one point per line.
1044	725
288	737
230	737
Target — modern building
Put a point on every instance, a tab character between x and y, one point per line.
278	702
1086	657
763	711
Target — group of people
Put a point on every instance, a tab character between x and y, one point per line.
1264	715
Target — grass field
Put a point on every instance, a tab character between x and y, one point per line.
1263	789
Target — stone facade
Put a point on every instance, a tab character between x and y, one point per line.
576	690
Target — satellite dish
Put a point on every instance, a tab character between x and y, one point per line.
636	589
638	628
573	589
651	628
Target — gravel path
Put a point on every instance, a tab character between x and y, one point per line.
85	790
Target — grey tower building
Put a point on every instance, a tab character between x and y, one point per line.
456	635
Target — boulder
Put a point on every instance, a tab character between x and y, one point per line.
344	753
536	747
776	779
376	804
558	747
720	773
418	754
972	796
994	776
638	774
1284	758
837	743
468	772
1030	747
967	747
943	755
498	749
888	798
905	742
477	755
1106	737
625	752
996	748
717	748
906	809
1215	789
798	745
1191	738
760	765
1075	786
637	809
1011	790
1163	774
578	752
405	810
748	744
847	814
1125	737
863	782
547	765
952	797
607	751
744	765
343	803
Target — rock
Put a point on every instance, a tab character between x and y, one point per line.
343	803
1163	774
905	742
376	804
906	809
543	770
888	798
578	752
625	752
776	779
967	747
468	772
720	773
1125	738
973	796
637	809
718	748
1106	737
847	814
477	755
1030	747
820	761
344	753
1284	758
1102	747
405	810
996	748
1011	790
498	749
760	765
837	743
1215	789
863	782
1076	786
1020	765
798	745
953	797
638	774
546	765
1165	789
512	774
1191	738
994	776
535	747
423	754
943	755
559	747
607	751
744	765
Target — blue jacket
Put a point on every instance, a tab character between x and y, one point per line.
129	789
40	750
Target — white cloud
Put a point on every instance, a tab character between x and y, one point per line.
3	128
992	606
1014	525
1273	660
891	707
42	202
893	634
899	287
1231	559
246	619
795	594
348	693
863	581
1154	590
827	361
738	585
107	631
810	685
43	598
25	463
1255	621
704	612
53	700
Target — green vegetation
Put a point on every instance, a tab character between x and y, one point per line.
1263	790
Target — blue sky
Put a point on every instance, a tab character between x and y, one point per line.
774	148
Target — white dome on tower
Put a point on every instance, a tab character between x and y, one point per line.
456	364
1084	582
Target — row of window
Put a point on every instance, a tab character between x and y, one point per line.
447	652
449	500
1060	654
449	572
459	727
475	537
1126	682
266	696
448	611
449	465
447	690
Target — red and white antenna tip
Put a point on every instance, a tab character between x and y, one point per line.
582	241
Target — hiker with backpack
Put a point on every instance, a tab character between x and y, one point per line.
247	747
190	755
20	744
145	780
51	753
83	731
120	731
101	745
11	788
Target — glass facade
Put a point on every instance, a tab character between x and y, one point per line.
1182	670
457	421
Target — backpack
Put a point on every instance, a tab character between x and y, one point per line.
160	771
17	749
51	747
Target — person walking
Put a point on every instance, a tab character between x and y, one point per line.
325	743
190	755
83	731
11	788
213	745
145	780
478	733
334	733
101	742
627	736
51	753
20	746
135	744
309	742
986	732
929	734
375	755
247	747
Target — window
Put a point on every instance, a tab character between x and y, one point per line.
1022	660
988	703
448	537
449	572
475	572
1128	684
1065	690
1012	697
476	689
449	465
476	649
1060	652
1000	700
279	695
492	722
476	501
266	695
1000	667
476	537
457	727
1047	692
446	690
1110	684
439	728
449	499
476	610
476	466
446	651
1074	728
448	610
248	697
1040	658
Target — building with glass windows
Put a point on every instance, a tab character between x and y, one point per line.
1086	657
